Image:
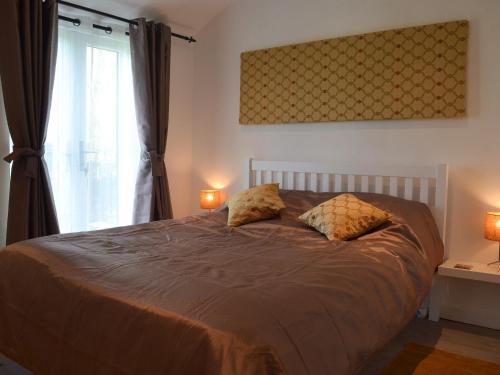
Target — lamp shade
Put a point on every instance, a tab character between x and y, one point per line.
492	226
209	199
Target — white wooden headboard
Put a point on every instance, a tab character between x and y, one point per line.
424	184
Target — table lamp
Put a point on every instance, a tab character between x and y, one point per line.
209	199
492	230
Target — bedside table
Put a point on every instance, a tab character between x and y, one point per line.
479	272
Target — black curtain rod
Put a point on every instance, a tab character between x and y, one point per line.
77	22
190	39
74	21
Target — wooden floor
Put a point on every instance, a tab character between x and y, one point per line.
453	337
468	340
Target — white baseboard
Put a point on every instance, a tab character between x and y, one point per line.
489	318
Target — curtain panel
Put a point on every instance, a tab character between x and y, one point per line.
150	45
28	40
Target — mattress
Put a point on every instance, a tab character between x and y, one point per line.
194	296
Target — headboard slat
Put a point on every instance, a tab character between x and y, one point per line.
408	188
351	183
279	178
301	183
365	186
325	182
338	183
290	180
424	190
393	186
379	184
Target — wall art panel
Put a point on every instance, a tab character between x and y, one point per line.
410	73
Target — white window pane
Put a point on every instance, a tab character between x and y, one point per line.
92	145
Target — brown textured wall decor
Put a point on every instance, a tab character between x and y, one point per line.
411	73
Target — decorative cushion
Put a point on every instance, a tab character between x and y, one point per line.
254	204
344	217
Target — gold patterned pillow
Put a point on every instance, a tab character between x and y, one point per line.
344	217
254	204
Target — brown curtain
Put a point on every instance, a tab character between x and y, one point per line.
28	42
150	48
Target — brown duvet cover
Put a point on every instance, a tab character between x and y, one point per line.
194	296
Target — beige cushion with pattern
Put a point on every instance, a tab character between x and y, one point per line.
344	217
254	204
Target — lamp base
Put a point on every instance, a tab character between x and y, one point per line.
497	262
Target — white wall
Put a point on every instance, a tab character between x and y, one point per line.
471	146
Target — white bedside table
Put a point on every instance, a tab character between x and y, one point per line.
479	272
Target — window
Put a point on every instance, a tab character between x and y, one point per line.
92	147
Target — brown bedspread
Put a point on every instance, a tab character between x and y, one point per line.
194	296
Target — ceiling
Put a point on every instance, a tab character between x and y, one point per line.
190	14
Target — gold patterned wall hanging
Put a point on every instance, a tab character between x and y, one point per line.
410	73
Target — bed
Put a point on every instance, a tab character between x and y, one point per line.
193	296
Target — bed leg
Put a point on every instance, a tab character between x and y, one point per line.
435	298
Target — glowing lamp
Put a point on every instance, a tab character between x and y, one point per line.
209	199
492	230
